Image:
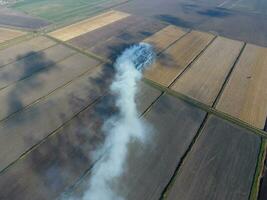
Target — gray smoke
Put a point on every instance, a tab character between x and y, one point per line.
120	129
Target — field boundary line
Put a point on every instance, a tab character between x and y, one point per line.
256	183
193	61
179	95
17	40
53	27
184	157
49	94
100	58
82	51
87	171
53	133
226	81
177	40
208	109
39	71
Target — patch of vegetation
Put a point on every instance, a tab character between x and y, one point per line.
260	165
62	11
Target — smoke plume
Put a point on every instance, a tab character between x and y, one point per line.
120	129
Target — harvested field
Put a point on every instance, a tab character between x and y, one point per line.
31	63
163	150
113	46
175	124
108	41
102	34
245	95
8	34
16	52
201	81
240	20
165	37
67	102
27	91
55	100
9	17
88	25
172	62
205	77
221	164
64	155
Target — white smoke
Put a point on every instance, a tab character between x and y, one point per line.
120	129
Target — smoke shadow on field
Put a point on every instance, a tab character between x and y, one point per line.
174	20
193	16
115	45
98	85
215	12
31	67
142	156
190	6
91	122
72	145
166	60
14	99
26	65
150	163
82	184
113	48
209	12
89	125
64	157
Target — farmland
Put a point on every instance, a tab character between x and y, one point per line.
203	99
64	11
20	20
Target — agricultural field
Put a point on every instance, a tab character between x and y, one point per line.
64	11
202	103
193	65
16	19
206	159
9	34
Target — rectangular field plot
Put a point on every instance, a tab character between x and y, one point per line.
164	38
221	164
205	77
10	17
245	95
177	57
60	106
88	25
64	11
27	91
32	63
61	160
113	46
100	35
17	51
152	163
8	34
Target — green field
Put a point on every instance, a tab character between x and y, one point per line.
64	11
